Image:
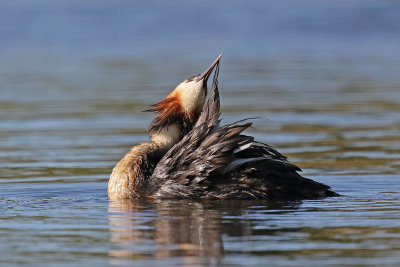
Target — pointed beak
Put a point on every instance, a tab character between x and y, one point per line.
208	71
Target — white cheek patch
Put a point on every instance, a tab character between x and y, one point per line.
192	95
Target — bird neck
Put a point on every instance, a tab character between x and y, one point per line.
166	137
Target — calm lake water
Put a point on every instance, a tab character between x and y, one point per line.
321	76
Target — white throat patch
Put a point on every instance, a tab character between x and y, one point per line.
168	136
192	95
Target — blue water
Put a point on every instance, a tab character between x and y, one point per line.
321	76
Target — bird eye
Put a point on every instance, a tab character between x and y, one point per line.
191	78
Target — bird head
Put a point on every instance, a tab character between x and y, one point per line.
179	111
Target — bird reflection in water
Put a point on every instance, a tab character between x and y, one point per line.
184	231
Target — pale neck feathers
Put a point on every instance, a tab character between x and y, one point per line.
167	136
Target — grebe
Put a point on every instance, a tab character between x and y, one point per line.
190	155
